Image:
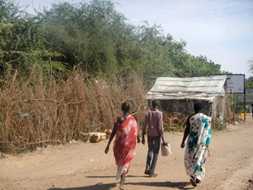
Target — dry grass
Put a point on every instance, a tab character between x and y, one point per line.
35	112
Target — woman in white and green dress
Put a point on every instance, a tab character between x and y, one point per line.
198	130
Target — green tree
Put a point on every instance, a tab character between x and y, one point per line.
94	37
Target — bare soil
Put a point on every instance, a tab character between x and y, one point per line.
80	166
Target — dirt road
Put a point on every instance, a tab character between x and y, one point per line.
80	166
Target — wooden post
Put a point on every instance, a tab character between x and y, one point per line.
244	98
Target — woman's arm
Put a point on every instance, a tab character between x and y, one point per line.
114	130
186	132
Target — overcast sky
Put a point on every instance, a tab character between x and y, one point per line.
222	30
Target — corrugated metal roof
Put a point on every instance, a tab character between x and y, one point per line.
199	88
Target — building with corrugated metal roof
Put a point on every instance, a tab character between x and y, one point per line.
178	95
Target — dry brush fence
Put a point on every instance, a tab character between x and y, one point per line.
35	112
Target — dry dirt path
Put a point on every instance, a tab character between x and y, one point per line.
81	166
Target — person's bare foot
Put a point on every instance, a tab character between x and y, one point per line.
193	182
122	182
198	181
121	187
153	175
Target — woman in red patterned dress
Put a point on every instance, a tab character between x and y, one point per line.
125	129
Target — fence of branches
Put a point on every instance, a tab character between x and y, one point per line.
36	112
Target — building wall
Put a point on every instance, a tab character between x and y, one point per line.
184	106
219	113
216	110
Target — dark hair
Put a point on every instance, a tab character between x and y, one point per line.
125	107
197	107
154	104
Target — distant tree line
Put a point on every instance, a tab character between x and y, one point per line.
94	37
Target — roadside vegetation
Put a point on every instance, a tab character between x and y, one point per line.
67	69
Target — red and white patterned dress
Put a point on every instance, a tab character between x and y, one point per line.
124	144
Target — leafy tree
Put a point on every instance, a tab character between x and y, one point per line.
251	65
94	37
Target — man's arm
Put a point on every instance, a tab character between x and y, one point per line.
161	129
138	131
144	128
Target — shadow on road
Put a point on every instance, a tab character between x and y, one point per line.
129	176
176	185
109	186
99	186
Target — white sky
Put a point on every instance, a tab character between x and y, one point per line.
222	30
